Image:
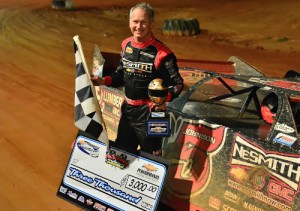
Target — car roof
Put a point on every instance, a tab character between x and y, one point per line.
288	86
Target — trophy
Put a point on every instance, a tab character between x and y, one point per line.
158	123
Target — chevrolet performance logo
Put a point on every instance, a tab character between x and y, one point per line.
144	67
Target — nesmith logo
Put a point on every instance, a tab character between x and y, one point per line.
147	67
285	167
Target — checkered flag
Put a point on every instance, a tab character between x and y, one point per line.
88	116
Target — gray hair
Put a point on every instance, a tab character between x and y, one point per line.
145	6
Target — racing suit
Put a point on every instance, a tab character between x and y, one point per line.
141	63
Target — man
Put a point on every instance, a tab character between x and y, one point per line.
143	58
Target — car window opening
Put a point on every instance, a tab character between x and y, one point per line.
232	104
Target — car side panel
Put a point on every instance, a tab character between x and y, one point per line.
213	167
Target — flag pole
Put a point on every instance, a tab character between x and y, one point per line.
87	71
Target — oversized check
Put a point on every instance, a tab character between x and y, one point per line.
95	181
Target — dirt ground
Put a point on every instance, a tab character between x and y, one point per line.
37	72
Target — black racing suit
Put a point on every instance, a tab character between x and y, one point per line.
141	63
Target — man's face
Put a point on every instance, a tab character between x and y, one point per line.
140	25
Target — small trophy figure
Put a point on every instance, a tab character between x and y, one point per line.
158	121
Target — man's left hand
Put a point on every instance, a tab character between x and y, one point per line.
161	107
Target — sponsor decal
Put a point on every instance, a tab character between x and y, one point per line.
146	205
148	170
158	114
284	167
283	128
259	180
157	129
284	139
81	199
196	142
169	63
258	195
88	148
228	208
252	207
174	75
178	87
63	189
232	197
255	175
239	174
99	207
283	193
128	50
147	54
72	194
89	202
138	67
190	132
214	202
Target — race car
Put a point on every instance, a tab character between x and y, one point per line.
234	144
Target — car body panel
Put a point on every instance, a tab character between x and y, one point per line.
224	161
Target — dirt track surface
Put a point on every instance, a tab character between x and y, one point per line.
37	73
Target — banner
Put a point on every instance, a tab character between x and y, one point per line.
95	181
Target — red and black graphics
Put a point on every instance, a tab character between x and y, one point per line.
191	158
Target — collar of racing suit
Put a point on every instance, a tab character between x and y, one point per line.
142	44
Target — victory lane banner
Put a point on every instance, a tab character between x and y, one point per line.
95	181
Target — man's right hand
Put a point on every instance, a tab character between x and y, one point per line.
97	81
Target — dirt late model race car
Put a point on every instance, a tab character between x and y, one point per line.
234	144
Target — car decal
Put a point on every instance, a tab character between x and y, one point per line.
197	144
